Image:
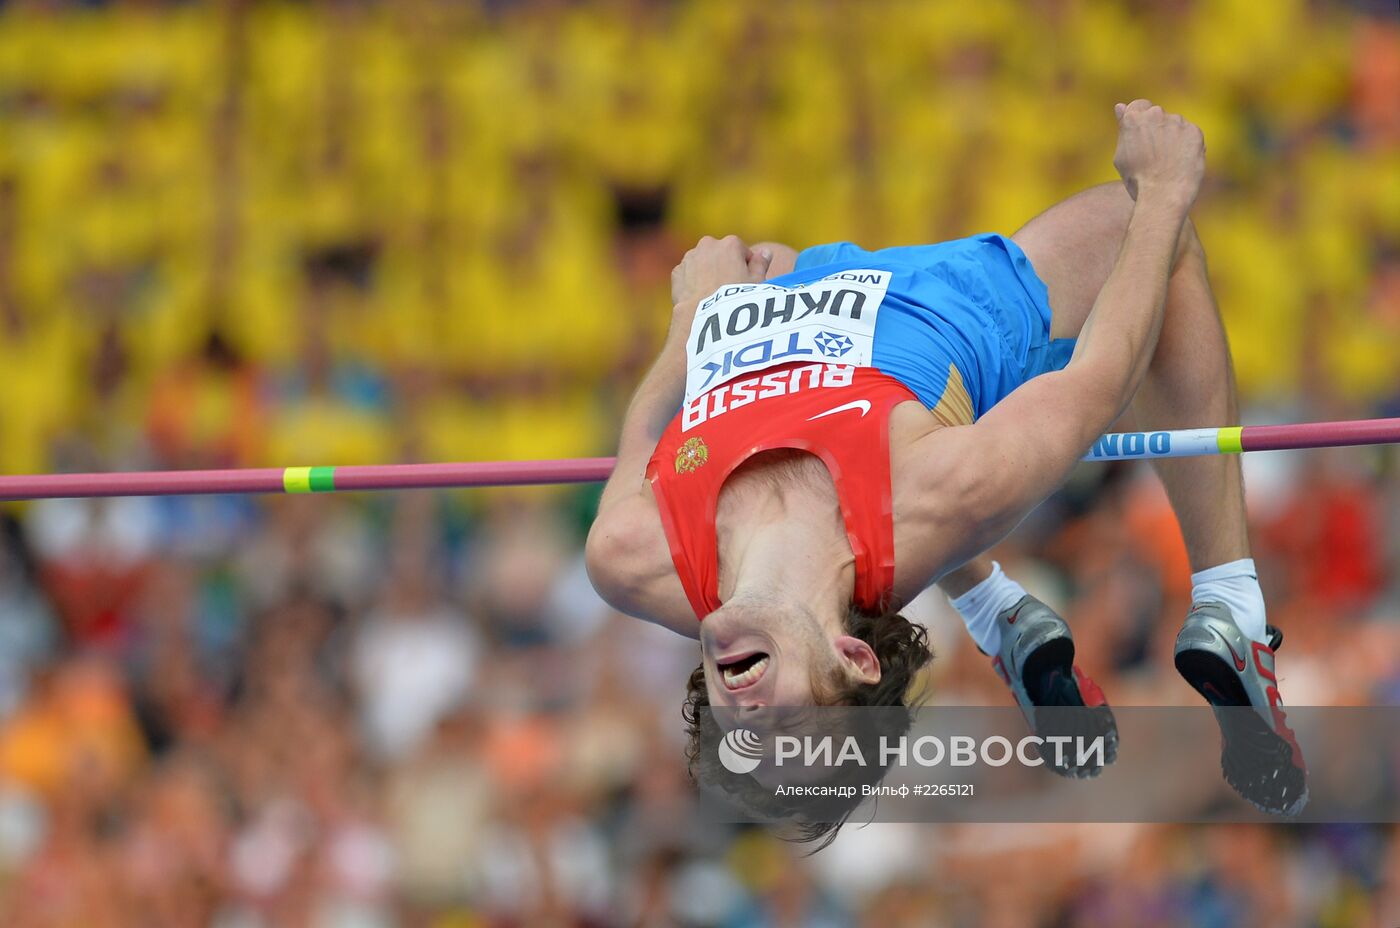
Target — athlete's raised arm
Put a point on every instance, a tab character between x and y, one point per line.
1026	444
627	555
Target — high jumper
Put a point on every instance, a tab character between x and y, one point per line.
827	432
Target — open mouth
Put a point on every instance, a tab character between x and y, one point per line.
741	672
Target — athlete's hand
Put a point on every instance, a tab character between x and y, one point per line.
712	263
1159	152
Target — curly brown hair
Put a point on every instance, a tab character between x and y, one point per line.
903	650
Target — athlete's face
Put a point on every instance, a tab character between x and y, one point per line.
778	655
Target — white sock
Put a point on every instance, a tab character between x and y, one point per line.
980	606
1235	584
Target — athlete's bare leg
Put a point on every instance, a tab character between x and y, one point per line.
957	582
1190	383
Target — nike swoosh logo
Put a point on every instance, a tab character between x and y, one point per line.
862	405
1239	661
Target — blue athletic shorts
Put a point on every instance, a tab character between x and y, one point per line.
975	303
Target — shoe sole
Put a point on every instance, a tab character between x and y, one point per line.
1048	676
1255	760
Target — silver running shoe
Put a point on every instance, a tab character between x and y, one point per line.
1259	754
1036	661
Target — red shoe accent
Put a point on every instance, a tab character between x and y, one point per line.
1089	690
1276	704
1281	723
1259	646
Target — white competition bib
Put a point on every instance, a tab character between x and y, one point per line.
743	328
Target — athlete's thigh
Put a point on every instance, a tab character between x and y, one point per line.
1073	246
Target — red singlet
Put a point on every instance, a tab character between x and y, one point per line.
840	413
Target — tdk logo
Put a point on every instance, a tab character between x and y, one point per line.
740	751
756	354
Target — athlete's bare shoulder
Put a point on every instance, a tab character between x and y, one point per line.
629	563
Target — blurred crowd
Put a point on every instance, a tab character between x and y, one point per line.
241	233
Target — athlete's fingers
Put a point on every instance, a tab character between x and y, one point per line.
758	263
1139	112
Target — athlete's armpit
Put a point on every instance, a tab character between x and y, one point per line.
941	501
1027	444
